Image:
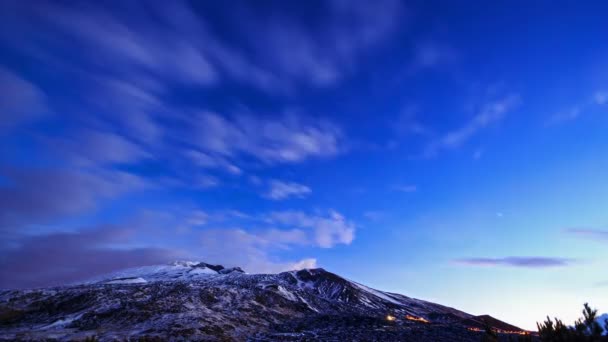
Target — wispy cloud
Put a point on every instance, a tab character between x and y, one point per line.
566	115
205	181
406	188
208	161
599	98
374	215
478	153
177	41
280	190
407	122
524	262
433	54
327	230
137	63
91	147
601	284
286	139
20	100
489	113
37	196
595	234
321	57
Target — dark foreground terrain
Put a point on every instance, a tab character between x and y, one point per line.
190	301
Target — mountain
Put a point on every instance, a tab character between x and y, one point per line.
602	320
203	302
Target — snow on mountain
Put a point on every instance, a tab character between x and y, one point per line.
200	301
178	270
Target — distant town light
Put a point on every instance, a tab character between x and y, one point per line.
416	319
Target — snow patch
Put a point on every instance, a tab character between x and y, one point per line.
62	322
199	270
377	293
137	280
286	294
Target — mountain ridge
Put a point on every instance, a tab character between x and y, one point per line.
200	301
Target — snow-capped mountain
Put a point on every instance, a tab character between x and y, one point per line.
179	270
199	301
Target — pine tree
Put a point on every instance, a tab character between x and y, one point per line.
591	327
585	329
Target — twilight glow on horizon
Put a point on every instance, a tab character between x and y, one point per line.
455	152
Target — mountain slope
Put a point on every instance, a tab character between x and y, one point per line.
199	301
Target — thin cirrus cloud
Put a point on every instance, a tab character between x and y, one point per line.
20	100
599	98
433	54
209	161
514	261
39	195
280	190
595	234
138	63
288	138
92	147
186	48
320	57
490	112
406	188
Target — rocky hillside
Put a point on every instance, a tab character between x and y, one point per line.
203	302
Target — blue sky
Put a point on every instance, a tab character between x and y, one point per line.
454	152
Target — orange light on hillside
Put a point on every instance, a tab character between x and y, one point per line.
416	319
390	318
500	331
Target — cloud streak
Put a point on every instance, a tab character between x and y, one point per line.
284	139
37	195
515	261
599	98
186	49
408	188
279	190
489	113
433	54
595	234
20	101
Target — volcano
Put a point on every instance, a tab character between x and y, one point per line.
196	301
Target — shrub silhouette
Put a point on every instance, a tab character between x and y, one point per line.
585	329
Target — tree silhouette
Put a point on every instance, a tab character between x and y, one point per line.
585	329
490	335
589	324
